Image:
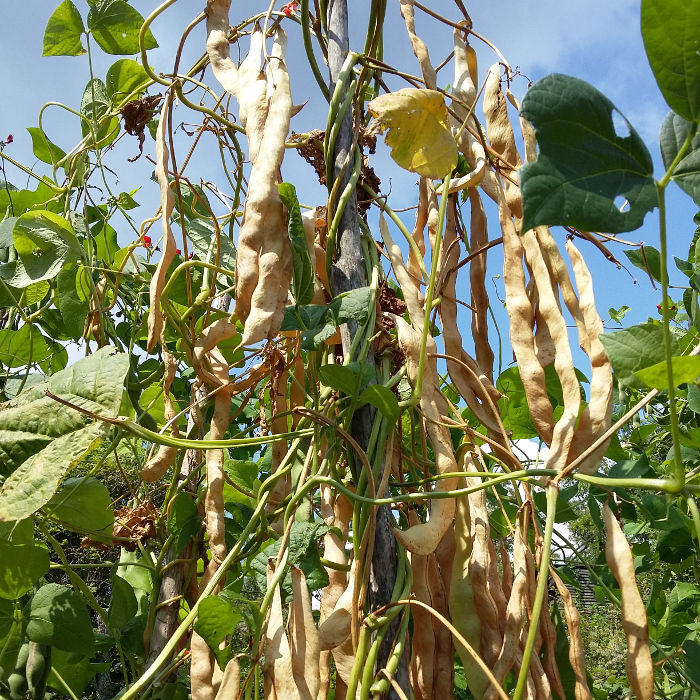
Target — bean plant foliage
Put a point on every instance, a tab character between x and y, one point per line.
288	464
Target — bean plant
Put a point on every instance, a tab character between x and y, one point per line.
290	450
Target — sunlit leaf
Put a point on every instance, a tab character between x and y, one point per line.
115	25
419	134
686	174
125	77
303	272
22	566
672	43
584	171
63	31
685	369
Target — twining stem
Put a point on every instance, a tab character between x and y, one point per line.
540	593
678	471
430	291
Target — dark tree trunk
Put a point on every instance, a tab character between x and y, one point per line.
346	274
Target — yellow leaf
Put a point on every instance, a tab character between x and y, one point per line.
419	134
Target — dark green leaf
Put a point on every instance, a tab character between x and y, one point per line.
692	659
183	521
648	259
195	203
216	619
303	553
694	398
670	33
565	512
634	348
686	174
122	604
383	399
63	31
22	566
45	242
340	378
6	617
40	441
84	505
116	25
45	150
125	77
319	323
73	309
77	673
630	468
685	369
95	106
58	616
513	405
303	271
584	170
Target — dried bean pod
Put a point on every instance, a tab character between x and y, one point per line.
596	416
155	315
618	554
443	663
577	657
423	639
303	639
420	50
230	685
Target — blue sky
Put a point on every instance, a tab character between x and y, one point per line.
596	40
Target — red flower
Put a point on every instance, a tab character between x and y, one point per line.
190	256
9	139
290	8
147	242
178	251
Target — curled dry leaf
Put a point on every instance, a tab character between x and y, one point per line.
640	668
418	130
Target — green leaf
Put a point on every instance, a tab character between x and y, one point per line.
21	347
303	271
116	25
670	33
686	174
303	553
22	566
73	309
63	31
125	78
320	322
216	619
122	604
19	201
646	258
45	242
40	440
513	405
6	617
84	505
95	106
77	673
383	399
203	236
692	659
242	472
583	167
634	348
43	148
618	314
685	369
340	378
183	521
58	616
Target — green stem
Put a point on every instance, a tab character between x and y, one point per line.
542	578
306	36
430	291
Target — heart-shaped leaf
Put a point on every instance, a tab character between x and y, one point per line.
686	174
585	171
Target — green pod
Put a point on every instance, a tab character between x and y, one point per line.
37	669
17	684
